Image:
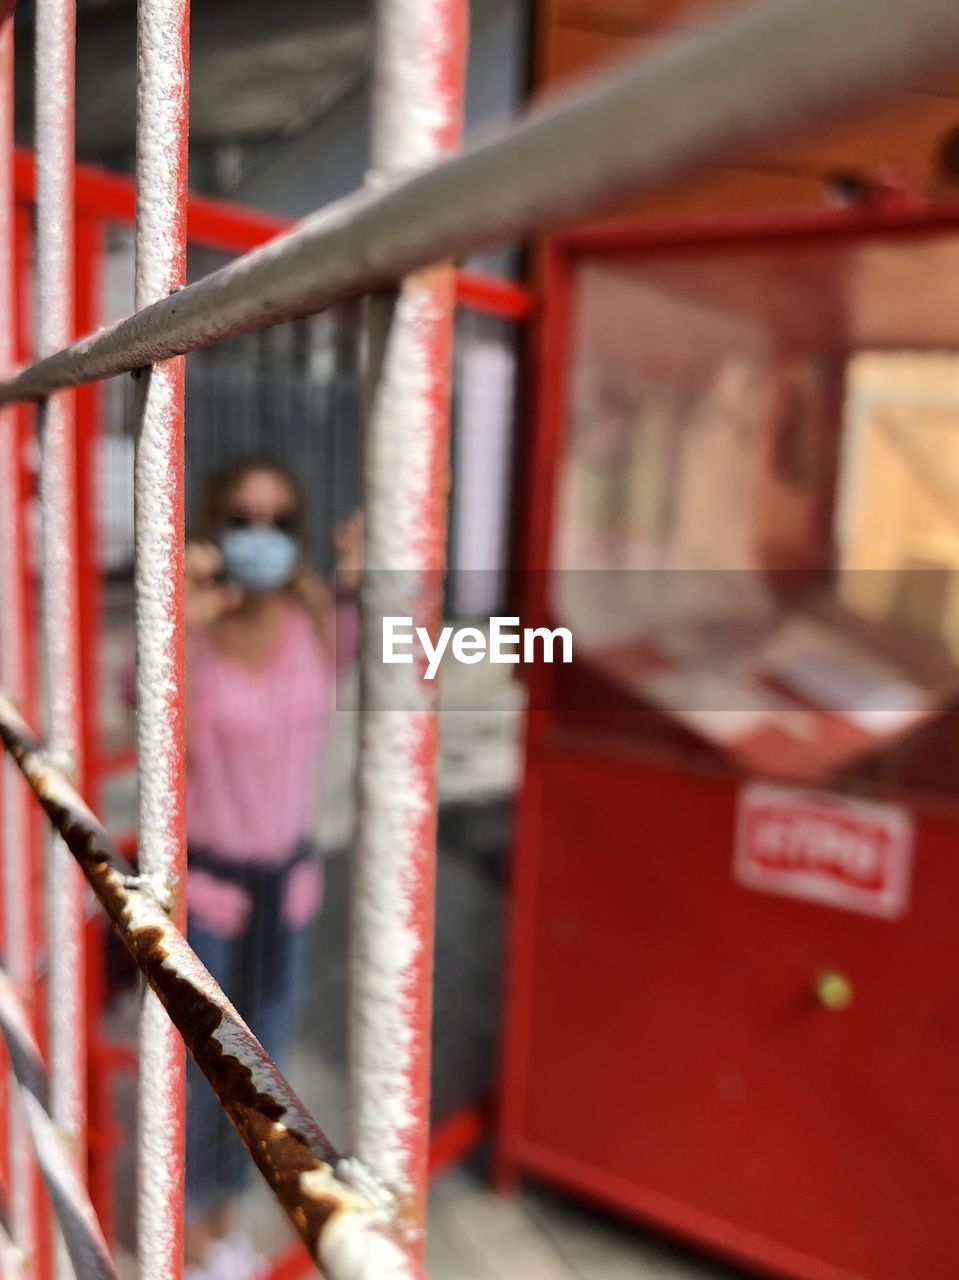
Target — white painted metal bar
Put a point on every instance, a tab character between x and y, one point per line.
89	1257
13	669
161	176
736	84
418	80
53	113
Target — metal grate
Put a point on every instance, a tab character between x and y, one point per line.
361	1216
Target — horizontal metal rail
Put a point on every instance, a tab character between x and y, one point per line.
734	85
341	1213
85	1245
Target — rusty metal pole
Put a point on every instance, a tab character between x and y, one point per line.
163	81
53	112
419	67
15	831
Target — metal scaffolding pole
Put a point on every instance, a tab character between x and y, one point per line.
419	69
163	81
54	90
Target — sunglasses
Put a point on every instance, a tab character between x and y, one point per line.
285	521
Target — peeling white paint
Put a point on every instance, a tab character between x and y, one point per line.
417	106
54	257
352	1247
162	109
394	789
322	1184
417	102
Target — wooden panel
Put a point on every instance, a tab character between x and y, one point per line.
583	35
905	133
628	15
575	36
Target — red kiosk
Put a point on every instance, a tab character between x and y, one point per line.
733	1001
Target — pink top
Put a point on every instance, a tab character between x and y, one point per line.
257	740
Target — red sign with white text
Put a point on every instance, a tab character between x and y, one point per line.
824	848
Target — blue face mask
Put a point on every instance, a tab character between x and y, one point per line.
258	557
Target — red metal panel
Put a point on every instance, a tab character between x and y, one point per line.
549	342
665	1053
780	1132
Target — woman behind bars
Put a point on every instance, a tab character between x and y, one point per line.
266	640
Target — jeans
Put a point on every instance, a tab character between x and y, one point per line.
263	972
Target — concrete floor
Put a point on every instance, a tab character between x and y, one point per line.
475	1234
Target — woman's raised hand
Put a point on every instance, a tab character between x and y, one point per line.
206	596
348	540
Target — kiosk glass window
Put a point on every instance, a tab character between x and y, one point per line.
756	538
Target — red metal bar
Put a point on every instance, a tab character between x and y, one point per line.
90	248
14	676
101	1124
458	1134
109	763
549	352
111	197
416	119
496	297
127	842
163	80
